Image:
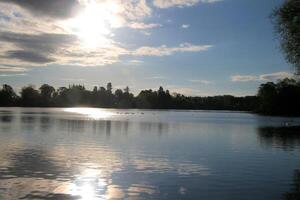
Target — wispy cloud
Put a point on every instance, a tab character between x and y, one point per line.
63	49
136	61
185	26
243	78
204	82
40	33
275	76
147	33
263	77
12	69
180	3
50	9
188	91
157	78
166	51
12	75
73	79
140	25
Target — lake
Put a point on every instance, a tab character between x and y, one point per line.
88	153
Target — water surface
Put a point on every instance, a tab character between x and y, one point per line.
86	153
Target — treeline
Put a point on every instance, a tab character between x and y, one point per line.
78	95
281	98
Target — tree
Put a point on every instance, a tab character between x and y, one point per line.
109	87
287	24
126	90
30	96
281	98
118	93
47	91
78	95
8	96
267	95
95	89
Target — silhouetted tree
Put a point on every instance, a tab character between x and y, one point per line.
287	22
78	95
267	95
8	96
30	96
126	90
109	87
282	98
47	93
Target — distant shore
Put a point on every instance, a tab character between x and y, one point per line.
273	99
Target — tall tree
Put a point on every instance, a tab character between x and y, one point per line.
109	87
287	24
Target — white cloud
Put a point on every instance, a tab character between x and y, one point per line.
185	26
63	49
157	77
243	78
31	41
12	69
188	91
135	9
72	79
140	25
263	77
147	33
180	3
205	82
12	75
136	61
275	76
166	51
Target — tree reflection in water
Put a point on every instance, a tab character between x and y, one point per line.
286	138
294	193
50	196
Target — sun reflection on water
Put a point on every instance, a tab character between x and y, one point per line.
89	185
93	113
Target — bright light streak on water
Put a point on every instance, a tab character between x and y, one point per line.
93	113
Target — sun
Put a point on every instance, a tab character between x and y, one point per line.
93	24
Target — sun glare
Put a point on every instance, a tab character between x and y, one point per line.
92	113
88	185
93	24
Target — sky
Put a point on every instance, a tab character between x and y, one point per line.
192	47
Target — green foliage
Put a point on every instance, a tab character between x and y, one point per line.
287	23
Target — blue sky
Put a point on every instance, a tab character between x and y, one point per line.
195	47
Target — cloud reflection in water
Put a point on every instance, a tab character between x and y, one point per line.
67	154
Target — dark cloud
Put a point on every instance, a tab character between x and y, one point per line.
46	43
34	48
28	56
49	8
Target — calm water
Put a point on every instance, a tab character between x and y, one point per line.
80	153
